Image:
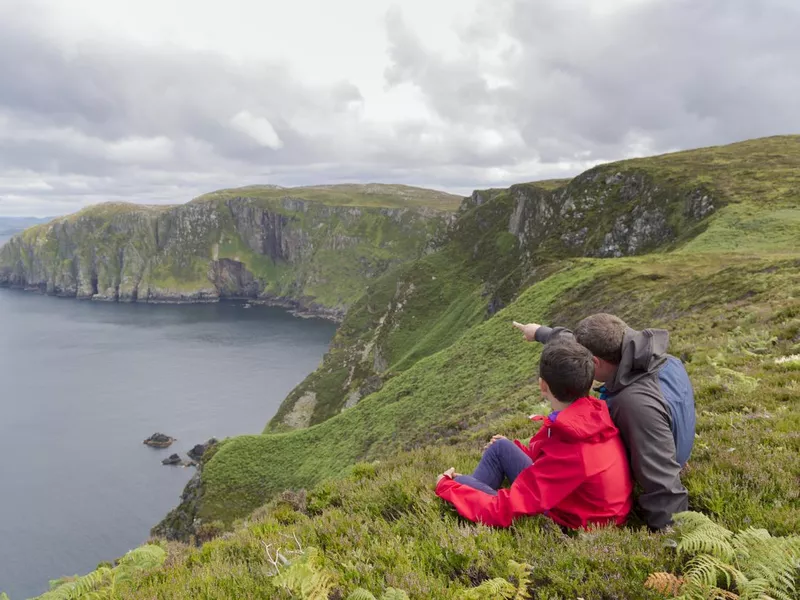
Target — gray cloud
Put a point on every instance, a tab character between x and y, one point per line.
665	74
532	90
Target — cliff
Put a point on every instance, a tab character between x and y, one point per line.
309	248
500	239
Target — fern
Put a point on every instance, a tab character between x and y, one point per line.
79	587
361	594
523	573
307	577
748	565
701	535
665	583
102	582
394	594
492	588
501	589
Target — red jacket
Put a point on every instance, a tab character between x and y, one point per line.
580	474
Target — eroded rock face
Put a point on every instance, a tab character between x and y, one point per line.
181	522
283	251
605	214
199	450
301	413
232	279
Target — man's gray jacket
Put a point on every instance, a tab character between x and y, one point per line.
652	404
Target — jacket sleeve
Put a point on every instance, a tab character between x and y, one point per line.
644	427
544	334
538	489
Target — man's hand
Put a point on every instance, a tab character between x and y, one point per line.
494	439
450	474
529	330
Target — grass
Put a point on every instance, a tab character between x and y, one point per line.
370	509
487	371
362	195
452	372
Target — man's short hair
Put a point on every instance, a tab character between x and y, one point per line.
602	334
567	368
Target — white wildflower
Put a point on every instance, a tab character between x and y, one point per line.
792	358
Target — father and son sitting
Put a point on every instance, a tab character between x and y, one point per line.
578	468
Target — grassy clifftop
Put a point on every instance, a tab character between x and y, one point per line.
377	195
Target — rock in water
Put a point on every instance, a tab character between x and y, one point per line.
159	440
174	459
197	452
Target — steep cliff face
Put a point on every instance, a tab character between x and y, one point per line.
607	212
501	241
303	253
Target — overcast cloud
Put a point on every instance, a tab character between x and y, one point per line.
159	101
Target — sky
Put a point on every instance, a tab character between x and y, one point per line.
159	101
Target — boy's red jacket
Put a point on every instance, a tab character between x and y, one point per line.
580	475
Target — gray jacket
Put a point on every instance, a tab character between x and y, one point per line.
652	404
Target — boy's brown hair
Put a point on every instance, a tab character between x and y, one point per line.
602	334
567	368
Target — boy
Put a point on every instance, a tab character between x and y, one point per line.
574	471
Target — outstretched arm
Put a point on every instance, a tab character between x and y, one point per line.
540	333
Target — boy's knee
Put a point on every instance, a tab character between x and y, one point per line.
501	446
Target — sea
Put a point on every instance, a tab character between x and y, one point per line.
83	383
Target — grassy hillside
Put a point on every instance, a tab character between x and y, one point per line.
424	391
373	195
378	524
507	239
718	265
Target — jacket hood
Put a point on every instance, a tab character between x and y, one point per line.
643	352
586	420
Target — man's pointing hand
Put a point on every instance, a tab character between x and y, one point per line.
529	330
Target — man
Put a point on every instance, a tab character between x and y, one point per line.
651	402
575	469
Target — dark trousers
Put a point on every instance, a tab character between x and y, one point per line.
503	459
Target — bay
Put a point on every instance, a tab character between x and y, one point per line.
83	383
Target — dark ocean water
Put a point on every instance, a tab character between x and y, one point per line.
83	383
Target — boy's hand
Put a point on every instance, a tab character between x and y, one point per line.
450	474
529	330
494	439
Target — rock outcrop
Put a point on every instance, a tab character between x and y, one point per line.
159	440
606	214
199	450
308	255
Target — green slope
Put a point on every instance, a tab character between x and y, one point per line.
452	372
705	200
